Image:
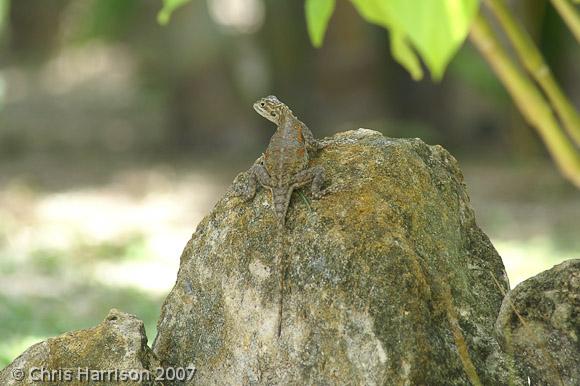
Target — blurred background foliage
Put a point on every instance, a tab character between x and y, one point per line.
117	135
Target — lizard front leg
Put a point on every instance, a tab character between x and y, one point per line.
315	175
256	174
312	144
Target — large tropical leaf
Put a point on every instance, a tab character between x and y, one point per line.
318	13
437	28
378	12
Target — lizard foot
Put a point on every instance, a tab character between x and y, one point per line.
257	174
245	192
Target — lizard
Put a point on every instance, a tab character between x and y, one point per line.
283	167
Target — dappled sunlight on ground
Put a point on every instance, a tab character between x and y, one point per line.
524	259
155	276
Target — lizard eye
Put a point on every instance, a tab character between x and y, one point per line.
262	104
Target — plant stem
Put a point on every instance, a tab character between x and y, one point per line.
568	12
529	100
305	201
532	59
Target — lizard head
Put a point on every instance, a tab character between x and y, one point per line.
270	108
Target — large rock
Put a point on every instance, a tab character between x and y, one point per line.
389	280
539	323
117	344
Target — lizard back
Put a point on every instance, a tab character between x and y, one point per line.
286	154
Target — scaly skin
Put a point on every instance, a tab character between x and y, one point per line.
284	165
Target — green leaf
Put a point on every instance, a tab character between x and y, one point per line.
374	11
405	55
169	6
378	12
437	28
318	13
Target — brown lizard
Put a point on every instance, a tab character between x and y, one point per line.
284	166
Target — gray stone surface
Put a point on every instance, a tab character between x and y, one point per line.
539	323
389	280
119	342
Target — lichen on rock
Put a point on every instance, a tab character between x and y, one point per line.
388	279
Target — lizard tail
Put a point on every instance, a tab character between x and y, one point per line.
281	199
282	281
281	300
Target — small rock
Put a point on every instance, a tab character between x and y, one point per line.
118	343
539	324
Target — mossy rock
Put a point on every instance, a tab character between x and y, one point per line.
539	324
388	279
